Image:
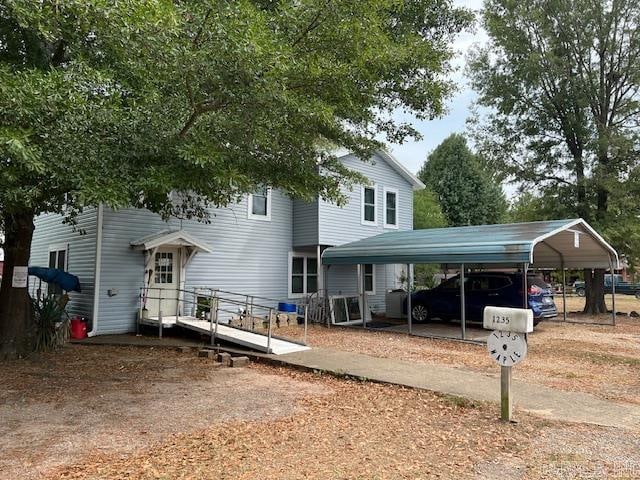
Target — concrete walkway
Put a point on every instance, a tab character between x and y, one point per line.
539	400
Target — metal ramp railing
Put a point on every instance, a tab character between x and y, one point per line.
223	315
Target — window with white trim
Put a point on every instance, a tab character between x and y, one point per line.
369	207
369	279
57	259
390	208
303	274
259	204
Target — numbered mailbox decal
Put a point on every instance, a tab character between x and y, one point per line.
507	348
518	320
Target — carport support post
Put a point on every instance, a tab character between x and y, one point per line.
363	285
564	293
409	306
613	292
463	305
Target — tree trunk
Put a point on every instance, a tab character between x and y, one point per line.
16	324
594	291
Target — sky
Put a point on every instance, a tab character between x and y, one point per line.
412	154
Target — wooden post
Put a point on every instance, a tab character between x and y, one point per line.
613	292
505	394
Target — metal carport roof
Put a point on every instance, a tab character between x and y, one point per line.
547	244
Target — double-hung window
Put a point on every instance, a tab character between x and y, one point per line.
303	274
369	279
259	204
57	259
369	208
390	208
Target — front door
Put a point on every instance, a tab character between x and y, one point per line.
164	282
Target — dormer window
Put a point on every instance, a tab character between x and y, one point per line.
369	207
259	204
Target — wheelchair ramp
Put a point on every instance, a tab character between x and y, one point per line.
255	341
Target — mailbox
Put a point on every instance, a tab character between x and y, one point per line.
504	319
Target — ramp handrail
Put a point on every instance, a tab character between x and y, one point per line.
209	303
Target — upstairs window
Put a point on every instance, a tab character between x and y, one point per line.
303	275
259	204
369	207
390	208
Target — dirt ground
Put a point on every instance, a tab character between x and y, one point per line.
599	359
107	412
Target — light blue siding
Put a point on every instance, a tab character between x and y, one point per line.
51	231
342	225
339	225
305	223
249	256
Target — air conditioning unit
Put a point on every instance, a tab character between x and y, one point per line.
394	299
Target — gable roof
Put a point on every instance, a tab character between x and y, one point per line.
547	244
394	163
170	237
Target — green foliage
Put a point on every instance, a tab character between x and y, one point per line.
559	81
51	323
427	212
467	195
126	102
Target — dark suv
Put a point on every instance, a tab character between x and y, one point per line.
482	289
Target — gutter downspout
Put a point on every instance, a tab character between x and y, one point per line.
97	271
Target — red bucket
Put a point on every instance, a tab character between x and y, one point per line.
78	328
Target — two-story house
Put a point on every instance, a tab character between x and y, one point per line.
267	245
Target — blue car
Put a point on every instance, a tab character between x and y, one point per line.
482	289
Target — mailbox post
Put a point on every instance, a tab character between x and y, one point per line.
507	345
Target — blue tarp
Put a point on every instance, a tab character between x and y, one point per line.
65	280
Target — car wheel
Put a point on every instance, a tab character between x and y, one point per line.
638	294
419	312
580	292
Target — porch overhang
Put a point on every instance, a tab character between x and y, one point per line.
174	238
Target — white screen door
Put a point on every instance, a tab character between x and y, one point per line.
166	273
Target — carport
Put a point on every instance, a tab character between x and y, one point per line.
555	244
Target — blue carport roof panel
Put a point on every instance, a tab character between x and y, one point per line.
483	245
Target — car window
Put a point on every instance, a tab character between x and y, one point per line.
453	283
538	282
498	282
478	284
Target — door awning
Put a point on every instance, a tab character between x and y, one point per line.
174	238
570	243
